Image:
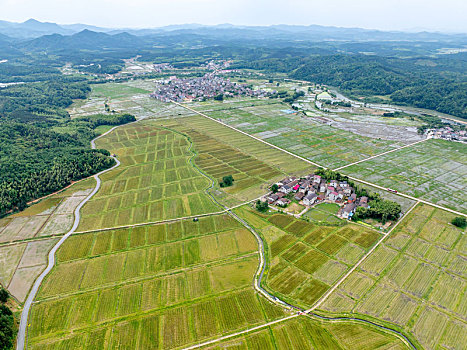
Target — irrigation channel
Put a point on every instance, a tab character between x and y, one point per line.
262	264
344	318
21	338
23	325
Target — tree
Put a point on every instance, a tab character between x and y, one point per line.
4	295
262	206
219	97
227	181
459	221
360	213
384	210
7	333
274	188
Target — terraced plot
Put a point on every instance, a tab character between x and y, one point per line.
435	170
305	259
127	97
32	231
156	286
321	143
155	180
223	151
304	333
416	280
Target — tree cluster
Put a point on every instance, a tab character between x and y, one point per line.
39	158
262	206
440	84
381	209
460	222
7	322
227	181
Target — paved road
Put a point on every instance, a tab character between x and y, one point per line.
381	154
317	165
408	196
23	325
244	133
308	312
42	238
252	329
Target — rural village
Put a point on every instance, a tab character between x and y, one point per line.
199	89
313	189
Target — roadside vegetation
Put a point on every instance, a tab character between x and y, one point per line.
459	221
7	322
156	263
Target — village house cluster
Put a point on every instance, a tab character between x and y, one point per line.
216	65
201	88
313	189
447	133
158	68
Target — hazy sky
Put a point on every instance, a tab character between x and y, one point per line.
446	15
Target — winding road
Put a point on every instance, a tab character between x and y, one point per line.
23	325
21	338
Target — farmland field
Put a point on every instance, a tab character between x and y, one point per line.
304	333
324	213
222	151
129	288
155	180
128	97
310	139
416	280
33	231
172	285
435	170
305	259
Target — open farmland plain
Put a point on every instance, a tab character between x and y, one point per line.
304	333
126	97
222	151
157	286
435	170
416	280
306	259
318	142
154	182
180	283
26	237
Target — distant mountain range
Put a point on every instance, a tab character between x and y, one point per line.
83	40
33	29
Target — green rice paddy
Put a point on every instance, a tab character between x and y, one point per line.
305	258
413	281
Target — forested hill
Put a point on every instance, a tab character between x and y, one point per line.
41	157
437	83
